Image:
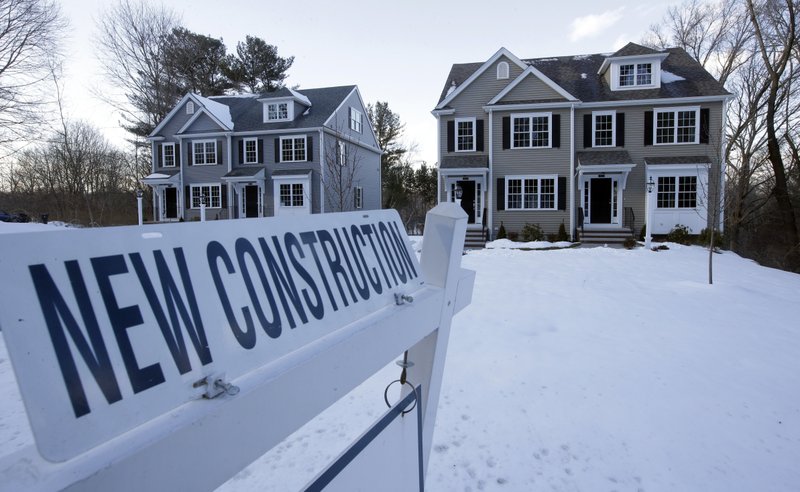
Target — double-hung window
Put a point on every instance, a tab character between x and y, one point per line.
293	149
677	126
341	153
292	195
205	152
355	120
530	130
212	192
531	193
465	135
677	192
250	151
168	155
604	128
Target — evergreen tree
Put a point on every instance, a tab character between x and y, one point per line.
198	62
257	66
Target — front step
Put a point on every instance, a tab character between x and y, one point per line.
605	236
474	239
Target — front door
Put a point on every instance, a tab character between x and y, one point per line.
251	201
170	203
468	199
600	204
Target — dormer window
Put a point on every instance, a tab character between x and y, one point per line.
635	74
502	70
278	111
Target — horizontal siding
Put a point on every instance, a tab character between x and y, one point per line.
204	124
531	88
341	122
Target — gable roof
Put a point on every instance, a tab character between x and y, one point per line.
536	73
578	76
245	112
448	95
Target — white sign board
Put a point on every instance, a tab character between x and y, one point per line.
108	329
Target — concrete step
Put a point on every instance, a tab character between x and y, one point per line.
605	235
474	239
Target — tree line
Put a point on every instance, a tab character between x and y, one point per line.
752	48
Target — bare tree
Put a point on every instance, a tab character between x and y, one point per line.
130	45
29	40
342	168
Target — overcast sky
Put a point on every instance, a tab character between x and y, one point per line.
399	52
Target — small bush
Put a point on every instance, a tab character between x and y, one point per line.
552	238
630	243
562	233
532	232
679	234
643	232
501	233
513	236
704	238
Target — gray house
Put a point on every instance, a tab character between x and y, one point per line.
576	139
281	153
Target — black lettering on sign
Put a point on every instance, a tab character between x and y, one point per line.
309	239
389	262
141	378
283	280
93	352
394	254
215	252
295	250
367	230
361	243
335	264
271	327
405	257
363	286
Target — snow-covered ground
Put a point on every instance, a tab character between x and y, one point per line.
585	369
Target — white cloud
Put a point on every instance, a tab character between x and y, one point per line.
591	25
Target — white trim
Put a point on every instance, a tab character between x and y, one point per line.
355	120
205	153
571	190
305	148
194	118
164	153
538	178
352	141
474	134
544	78
613	115
530	116
444	112
244	150
675	110
341	104
289	179
479	71
528	106
169	115
464	171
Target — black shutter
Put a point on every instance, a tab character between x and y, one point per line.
177	154
188	197
587	131
260	144
219	152
506	132
189	154
310	148
451	143
556	131
241	151
479	135
704	120
277	150
160	158
620	129
501	193
223	197
648	128
562	193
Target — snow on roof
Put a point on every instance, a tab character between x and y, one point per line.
303	99
157	176
218	110
243	95
667	77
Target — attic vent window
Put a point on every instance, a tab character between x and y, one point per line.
190	107
502	70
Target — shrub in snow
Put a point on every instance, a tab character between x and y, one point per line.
630	243
514	236
704	238
643	232
679	234
501	233
562	233
532	232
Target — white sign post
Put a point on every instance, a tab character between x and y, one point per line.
171	359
